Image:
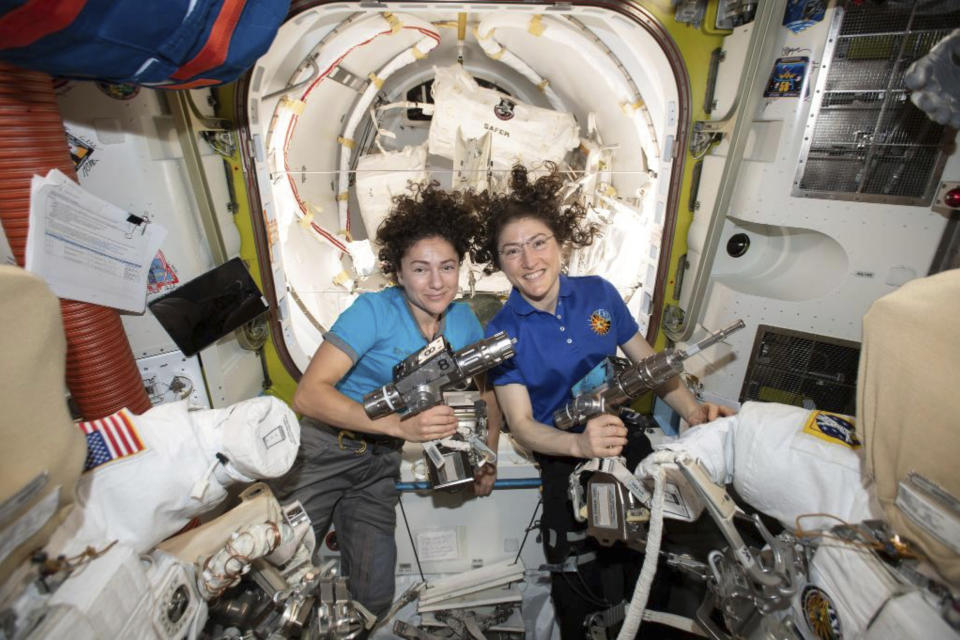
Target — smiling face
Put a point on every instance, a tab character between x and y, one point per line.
429	274
530	258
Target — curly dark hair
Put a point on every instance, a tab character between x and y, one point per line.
540	200
428	212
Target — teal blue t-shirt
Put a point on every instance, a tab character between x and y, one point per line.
378	330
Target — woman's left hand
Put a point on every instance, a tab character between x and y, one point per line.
707	412
483	479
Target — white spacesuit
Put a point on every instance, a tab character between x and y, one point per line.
138	502
810	470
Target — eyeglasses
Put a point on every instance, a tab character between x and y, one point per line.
513	251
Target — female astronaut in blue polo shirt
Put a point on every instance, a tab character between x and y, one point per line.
348	464
564	326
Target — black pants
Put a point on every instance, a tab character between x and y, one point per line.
611	576
603	576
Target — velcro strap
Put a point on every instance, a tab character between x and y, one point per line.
393	21
536	26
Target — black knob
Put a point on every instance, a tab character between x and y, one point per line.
738	244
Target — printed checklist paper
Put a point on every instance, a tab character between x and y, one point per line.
88	249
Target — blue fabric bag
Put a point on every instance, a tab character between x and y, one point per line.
173	44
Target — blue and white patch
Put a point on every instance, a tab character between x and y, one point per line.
833	427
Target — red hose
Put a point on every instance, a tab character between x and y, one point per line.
102	374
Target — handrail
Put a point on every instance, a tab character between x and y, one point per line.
766	28
179	104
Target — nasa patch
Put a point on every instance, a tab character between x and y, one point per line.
786	79
600	322
161	274
119	91
81	152
820	614
833	427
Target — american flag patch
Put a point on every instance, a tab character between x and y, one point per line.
110	438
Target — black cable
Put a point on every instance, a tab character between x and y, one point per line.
529	528
588	597
600	600
413	545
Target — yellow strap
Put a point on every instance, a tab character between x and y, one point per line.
297	106
347	142
630	107
476	34
375	79
543	85
346	234
393	21
343	196
273	233
417	54
306	220
536	26
496	55
344	433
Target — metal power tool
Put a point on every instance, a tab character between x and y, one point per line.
624	382
420	380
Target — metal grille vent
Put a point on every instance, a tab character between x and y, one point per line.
865	139
802	369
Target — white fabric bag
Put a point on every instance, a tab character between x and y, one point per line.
381	176
521	132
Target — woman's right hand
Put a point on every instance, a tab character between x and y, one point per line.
604	437
433	424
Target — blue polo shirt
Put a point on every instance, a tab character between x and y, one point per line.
378	330
553	351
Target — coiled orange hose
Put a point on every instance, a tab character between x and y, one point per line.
102	373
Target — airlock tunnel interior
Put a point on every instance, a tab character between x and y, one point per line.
350	106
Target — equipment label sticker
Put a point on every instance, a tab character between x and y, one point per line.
438	544
274	437
431	350
603	504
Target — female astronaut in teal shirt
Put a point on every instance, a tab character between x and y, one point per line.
348	464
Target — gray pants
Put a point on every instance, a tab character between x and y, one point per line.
356	492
